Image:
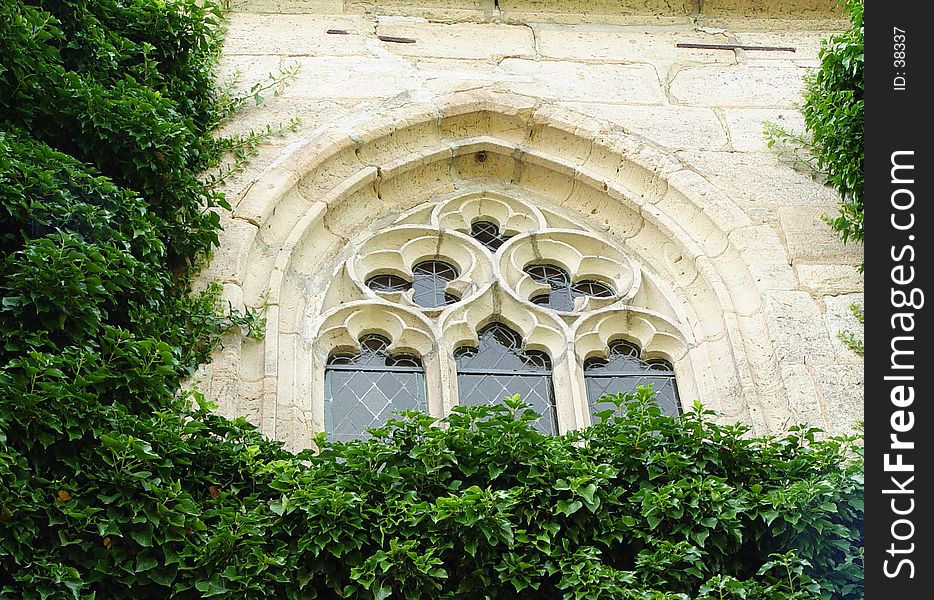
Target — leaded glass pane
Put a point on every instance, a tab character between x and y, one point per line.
488	234
563	291
431	279
363	390
623	371
499	367
387	283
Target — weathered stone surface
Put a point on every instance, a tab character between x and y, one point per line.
602	43
804	397
830	279
746	126
840	320
675	127
792	319
288	6
841	388
342	77
776	85
761	179
809	239
297	34
637	84
456	40
656	147
747	8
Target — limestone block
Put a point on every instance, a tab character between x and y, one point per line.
287	6
446	10
605	43
251	361
277	112
484	166
316	246
842	388
237	74
809	239
746	126
259	263
457	40
690	218
839	319
830	279
757	180
236	238
778	85
296	34
761	8
544	182
764	256
599	11
507	129
792	319
604	212
675	127
573	81
804	398
352	77
397	194
717	206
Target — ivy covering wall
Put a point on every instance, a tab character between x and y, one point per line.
114	483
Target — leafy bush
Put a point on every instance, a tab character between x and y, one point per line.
116	484
833	117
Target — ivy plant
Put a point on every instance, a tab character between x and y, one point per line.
115	482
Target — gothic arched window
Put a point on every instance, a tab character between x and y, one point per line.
491	296
500	367
363	390
622	371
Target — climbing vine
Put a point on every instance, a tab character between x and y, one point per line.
117	483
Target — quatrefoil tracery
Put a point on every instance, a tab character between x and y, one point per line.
472	257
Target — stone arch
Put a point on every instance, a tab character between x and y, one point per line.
373	169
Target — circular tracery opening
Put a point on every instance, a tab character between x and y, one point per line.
388	283
563	291
429	282
488	234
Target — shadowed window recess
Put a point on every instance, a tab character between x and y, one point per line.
431	277
363	390
488	234
499	367
622	371
563	291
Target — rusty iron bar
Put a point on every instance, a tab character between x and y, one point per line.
396	40
736	47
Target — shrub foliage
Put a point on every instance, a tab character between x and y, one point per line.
833	116
116	484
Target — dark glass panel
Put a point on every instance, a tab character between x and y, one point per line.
624	370
563	292
499	367
431	277
487	233
364	390
387	283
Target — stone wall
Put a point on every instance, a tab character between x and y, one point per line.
599	114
